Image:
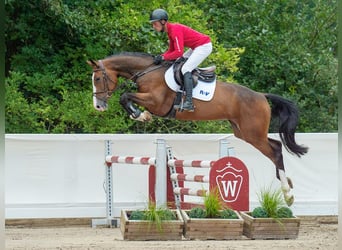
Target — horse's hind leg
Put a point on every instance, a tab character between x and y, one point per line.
273	150
286	183
270	148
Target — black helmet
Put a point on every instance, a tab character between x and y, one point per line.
158	14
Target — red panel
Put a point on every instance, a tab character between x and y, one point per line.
230	176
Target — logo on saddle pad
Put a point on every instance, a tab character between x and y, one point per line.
202	91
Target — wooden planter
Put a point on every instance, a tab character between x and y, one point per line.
269	228
212	229
147	230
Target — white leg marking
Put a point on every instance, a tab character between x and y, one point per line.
285	188
284	184
143	117
94	90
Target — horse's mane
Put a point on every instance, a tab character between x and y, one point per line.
126	53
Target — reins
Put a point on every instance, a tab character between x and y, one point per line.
148	70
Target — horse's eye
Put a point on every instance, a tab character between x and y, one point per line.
97	79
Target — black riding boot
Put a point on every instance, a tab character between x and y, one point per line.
188	86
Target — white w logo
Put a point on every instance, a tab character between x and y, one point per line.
229	185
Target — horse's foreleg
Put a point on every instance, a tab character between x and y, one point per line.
129	106
133	111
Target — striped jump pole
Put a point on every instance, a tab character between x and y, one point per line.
188	177
130	160
177	177
191	163
191	192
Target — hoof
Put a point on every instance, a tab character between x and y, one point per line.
147	116
143	117
289	181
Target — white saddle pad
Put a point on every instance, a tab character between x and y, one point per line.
203	91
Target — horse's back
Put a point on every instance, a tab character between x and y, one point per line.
238	93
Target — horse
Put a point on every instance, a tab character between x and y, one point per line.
248	112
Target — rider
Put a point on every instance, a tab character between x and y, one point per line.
181	36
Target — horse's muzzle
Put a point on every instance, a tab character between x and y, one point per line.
99	104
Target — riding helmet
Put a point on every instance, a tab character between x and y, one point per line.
158	14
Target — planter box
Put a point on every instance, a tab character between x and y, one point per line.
211	228
147	230
269	228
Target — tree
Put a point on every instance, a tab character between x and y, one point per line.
290	50
48	43
284	47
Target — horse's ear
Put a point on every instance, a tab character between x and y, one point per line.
92	63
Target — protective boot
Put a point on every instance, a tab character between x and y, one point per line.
188	86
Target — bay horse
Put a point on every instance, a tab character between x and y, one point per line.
249	112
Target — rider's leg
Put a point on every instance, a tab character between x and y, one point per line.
187	53
196	57
188	86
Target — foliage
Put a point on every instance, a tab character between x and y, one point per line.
259	212
197	212
136	215
154	215
284	212
271	205
284	47
289	49
18	108
228	214
213	208
212	203
158	214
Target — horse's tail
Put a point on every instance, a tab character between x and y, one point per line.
288	115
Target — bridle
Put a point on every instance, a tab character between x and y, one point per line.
105	80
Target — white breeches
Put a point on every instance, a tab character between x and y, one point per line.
196	57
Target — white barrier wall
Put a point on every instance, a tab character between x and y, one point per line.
60	176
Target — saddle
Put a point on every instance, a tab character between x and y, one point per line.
204	74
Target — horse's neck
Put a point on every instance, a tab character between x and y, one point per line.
128	64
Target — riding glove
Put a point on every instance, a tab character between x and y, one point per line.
158	59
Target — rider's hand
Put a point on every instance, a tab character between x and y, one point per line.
158	59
